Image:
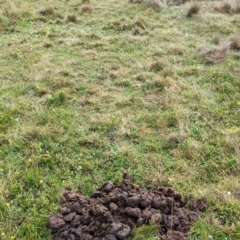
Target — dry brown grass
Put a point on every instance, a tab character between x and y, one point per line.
87	8
157	66
47	11
216	40
213	55
192	10
151	3
235	43
177	2
229	7
177	50
224	8
72	18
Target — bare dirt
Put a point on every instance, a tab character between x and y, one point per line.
114	209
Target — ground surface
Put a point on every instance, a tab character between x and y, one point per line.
90	91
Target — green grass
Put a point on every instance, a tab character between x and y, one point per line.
122	88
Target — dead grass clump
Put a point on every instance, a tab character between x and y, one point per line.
176	50
157	66
224	8
151	3
192	10
72	18
154	3
135	1
87	8
213	55
47	44
237	9
216	40
11	13
235	6
176	2
47	11
235	43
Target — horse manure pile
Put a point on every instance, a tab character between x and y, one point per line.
114	209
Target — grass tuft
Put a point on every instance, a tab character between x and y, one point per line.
213	55
235	43
46	11
157	66
224	8
72	18
193	10
145	232
151	3
87	8
216	40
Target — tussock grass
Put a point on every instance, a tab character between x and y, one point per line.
213	54
47	11
150	3
235	43
120	89
86	8
224	8
192	10
72	18
231	7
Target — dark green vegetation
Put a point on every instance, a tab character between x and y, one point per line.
90	90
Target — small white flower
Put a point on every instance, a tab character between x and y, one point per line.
210	236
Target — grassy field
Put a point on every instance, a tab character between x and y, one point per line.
89	90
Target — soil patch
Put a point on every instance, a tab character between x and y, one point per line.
114	209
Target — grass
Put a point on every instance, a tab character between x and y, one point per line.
90	91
